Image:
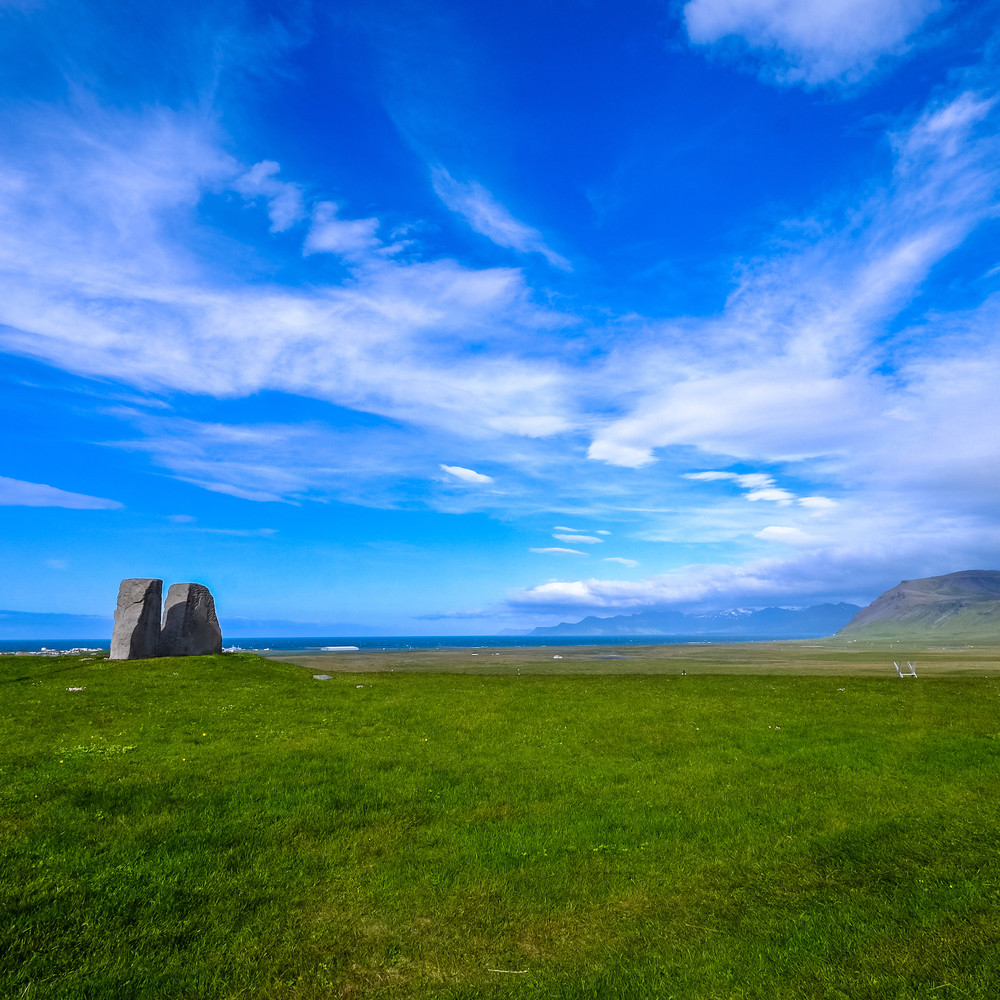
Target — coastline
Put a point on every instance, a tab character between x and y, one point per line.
392	643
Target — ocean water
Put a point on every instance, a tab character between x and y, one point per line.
396	643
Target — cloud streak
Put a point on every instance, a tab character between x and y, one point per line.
803	337
17	493
140	307
467	475
486	216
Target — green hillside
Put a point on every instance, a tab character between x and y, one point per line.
958	607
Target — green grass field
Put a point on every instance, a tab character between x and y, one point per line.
228	827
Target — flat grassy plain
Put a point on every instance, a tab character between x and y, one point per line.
229	827
814	656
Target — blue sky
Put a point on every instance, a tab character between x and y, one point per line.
443	317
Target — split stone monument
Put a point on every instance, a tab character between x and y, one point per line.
137	620
190	626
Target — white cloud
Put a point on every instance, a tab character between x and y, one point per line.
241	532
811	42
284	200
764	581
602	531
753	480
868	544
941	133
790	370
542	425
710	477
17	493
579	539
606	449
622	560
377	464
818	505
748	480
785	534
781	409
938	447
291	462
466	475
773	493
136	304
347	237
556	551
489	218
758	485
556	593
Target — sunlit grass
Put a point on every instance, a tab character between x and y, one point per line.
226	827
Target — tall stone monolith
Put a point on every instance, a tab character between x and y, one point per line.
190	626
136	635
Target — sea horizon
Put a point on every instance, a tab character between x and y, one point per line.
395	643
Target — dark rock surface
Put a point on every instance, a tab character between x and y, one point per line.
190	625
137	620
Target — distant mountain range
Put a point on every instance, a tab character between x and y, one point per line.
775	623
956	607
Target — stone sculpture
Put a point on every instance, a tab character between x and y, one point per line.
137	620
190	625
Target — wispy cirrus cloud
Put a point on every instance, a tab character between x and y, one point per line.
489	218
806	333
373	463
140	305
18	493
760	486
579	539
275	462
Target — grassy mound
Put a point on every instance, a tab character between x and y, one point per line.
223	827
